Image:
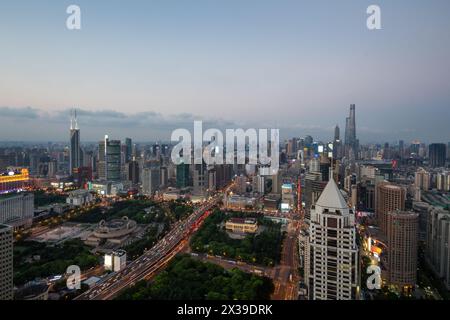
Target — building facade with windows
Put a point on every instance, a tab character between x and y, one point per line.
6	262
332	267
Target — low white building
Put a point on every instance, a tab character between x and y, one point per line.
116	260
17	209
237	202
171	195
106	188
79	197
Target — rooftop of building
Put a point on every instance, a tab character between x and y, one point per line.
243	220
392	186
332	197
404	214
78	192
119	252
13	195
4	226
31	289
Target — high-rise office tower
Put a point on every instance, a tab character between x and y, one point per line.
129	149
6	262
337	154
331	267
109	159
351	143
402	239
113	160
259	184
133	171
437	153
151	180
199	179
337	133
75	149
164	177
388	197
240	184
276	182
182	175
312	191
224	174
101	167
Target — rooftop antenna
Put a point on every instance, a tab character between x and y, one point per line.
76	122
71	120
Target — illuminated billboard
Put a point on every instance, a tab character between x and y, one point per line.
14	180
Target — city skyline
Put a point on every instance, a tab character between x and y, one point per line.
250	152
155	67
118	125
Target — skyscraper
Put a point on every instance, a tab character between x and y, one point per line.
331	266
101	167
6	262
337	154
129	149
109	163
113	164
337	133
199	179
437	154
75	149
133	171
388	197
164	177
351	143
182	175
402	238
151	180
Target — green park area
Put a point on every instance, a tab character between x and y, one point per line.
260	248
189	279
38	260
44	198
142	211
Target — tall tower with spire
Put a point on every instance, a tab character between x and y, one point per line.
75	149
351	143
